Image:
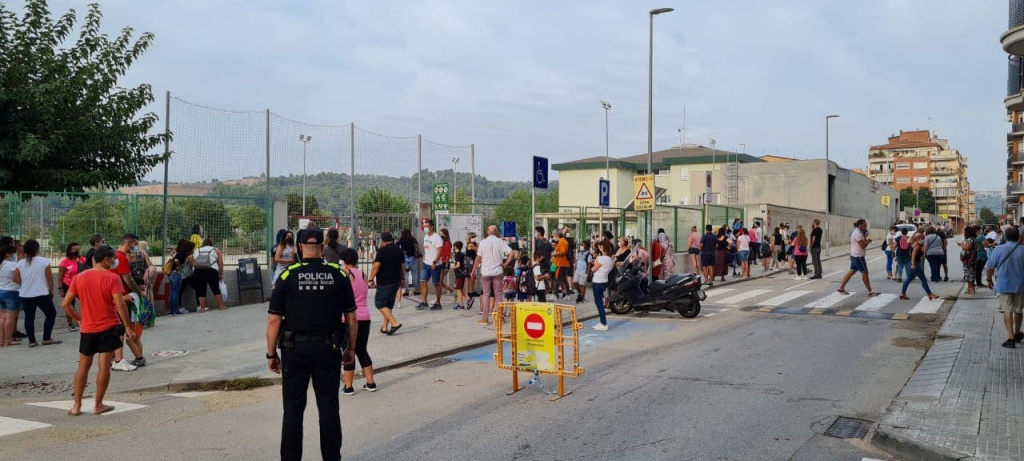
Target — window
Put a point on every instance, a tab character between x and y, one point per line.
684	175
903	180
920	179
682	201
664	200
903	166
920	165
662	172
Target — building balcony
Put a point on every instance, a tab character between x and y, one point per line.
944	171
1017	129
1015	188
882	178
1013	39
1014	98
1015	158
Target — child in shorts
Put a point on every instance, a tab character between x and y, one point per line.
509	284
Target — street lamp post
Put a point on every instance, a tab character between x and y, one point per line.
304	139
455	186
650	113
828	194
607	167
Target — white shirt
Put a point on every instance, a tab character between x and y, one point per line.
744	243
7	276
33	277
855	249
601	276
492	252
541	285
890	240
213	256
432	248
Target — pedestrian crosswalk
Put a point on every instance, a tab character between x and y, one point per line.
820	301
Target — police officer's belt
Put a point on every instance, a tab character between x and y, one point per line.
301	338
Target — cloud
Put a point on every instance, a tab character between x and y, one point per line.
524	78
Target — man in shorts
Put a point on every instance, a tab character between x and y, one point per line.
102	320
1007	263
859	242
431	268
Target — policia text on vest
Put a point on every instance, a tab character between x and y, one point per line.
306	308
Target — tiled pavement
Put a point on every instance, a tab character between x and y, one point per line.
966	400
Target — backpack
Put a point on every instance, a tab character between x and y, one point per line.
904	242
205	259
526	285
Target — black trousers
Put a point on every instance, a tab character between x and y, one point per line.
322	364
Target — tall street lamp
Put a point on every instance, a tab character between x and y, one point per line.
650	113
455	186
304	139
607	169
828	193
714	154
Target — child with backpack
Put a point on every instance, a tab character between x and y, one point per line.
526	285
540	276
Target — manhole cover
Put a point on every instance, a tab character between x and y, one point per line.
848	428
168	354
437	362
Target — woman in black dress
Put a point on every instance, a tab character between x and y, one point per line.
721	250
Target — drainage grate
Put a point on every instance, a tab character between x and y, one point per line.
849	428
437	362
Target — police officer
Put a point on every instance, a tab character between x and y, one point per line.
306	307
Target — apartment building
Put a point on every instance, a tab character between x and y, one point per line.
1013	43
919	160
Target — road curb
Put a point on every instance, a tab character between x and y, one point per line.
889	439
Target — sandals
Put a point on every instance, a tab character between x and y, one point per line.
873	294
904	297
394	329
383	331
933	297
843	291
52	342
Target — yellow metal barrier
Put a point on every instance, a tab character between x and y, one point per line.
535	332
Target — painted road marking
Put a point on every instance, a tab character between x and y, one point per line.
190	395
119	407
718	291
744	296
801	284
10	426
926	306
834	273
829	301
877	303
786	297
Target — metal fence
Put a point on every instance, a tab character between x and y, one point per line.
237	225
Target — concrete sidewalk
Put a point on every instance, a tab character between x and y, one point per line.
194	349
966	399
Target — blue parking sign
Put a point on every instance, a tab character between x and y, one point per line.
604	192
540	172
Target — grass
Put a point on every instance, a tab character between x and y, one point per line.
237	384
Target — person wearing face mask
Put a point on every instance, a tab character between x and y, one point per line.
70	266
284	256
122	268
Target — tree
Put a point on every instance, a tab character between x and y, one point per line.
987	216
65	124
909	198
295	208
380	210
208	213
516	207
248	218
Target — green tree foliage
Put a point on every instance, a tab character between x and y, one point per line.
97	214
380	210
248	218
909	199
516	207
65	124
987	216
295	209
211	214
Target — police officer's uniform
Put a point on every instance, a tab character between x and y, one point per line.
312	296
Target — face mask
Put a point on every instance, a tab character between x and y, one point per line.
74	254
115	263
289	241
135	249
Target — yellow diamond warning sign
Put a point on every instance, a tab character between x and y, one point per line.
643	192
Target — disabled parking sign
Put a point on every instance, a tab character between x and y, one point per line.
535	328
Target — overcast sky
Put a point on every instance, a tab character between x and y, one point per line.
524	78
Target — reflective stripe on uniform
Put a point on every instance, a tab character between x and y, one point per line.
284	275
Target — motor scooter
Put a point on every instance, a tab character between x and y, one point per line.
681	293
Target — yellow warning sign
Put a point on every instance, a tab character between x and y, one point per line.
643	192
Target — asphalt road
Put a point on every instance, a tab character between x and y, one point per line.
741	381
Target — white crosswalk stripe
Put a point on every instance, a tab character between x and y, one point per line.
876	303
926	306
829	301
718	291
10	426
785	298
119	407
743	296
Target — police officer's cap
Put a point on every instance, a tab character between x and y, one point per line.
311	236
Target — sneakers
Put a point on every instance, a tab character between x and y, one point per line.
1010	344
123	365
798	278
483	322
1018	337
348	391
945	279
458	307
601	327
139	362
182	311
372	387
436	307
422	306
72	329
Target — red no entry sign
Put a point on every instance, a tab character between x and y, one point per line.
534	326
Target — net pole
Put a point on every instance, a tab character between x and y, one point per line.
472	176
167	159
270	207
352	186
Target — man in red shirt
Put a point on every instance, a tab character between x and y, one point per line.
122	268
102	321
